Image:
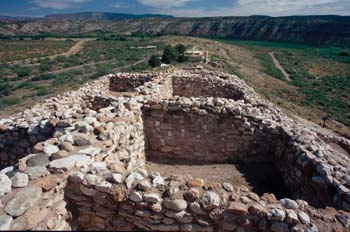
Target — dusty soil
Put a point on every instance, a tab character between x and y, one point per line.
258	177
279	66
339	148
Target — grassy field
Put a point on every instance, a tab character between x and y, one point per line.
321	74
23	83
28	49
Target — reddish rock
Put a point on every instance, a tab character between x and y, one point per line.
195	183
119	193
269	197
237	208
117	168
48	182
257	210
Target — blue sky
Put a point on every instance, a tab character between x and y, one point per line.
187	8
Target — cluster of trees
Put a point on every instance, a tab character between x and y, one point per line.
344	53
170	55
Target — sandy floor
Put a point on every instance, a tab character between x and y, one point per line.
260	178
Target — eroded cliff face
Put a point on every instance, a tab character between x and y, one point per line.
301	29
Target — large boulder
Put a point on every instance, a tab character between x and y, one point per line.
65	164
22	201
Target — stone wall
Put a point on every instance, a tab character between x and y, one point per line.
195	131
205	136
148	202
194	86
128	83
88	173
18	136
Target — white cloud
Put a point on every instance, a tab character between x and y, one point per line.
57	4
164	3
120	5
269	7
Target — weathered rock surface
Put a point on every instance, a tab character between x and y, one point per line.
5	184
20	180
22	201
65	164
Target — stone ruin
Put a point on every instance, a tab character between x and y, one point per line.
78	161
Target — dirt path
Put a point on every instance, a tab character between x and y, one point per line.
279	66
117	69
73	50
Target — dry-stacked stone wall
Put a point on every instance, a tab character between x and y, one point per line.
196	86
124	83
190	132
84	167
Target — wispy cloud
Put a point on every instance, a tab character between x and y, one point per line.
121	5
57	4
164	3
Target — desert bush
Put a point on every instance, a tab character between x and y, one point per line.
43	77
154	61
42	91
45	67
344	53
5	89
103	69
9	101
22	71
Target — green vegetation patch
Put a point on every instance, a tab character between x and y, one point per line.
329	91
270	67
331	94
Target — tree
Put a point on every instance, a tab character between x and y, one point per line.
182	58
154	61
170	55
181	49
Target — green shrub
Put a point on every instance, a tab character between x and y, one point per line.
42	91
26	85
9	101
45	67
154	61
103	69
344	53
181	49
5	89
43	77
22	71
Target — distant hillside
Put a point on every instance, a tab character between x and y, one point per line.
298	29
15	18
102	16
